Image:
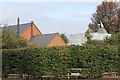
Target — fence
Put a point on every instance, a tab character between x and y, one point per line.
60	79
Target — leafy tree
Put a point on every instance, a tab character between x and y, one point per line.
107	13
119	16
118	60
64	38
114	39
88	36
11	40
93	26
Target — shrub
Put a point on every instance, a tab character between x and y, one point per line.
56	61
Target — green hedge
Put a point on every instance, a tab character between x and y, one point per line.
56	61
94	60
35	61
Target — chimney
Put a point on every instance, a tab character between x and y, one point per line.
31	28
18	25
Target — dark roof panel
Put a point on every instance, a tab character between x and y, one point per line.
43	40
22	28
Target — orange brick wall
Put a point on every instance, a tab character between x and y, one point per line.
27	33
36	30
57	41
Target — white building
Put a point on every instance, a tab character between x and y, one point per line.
78	39
101	34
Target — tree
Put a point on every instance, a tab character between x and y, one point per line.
93	27
118	60
64	38
114	39
107	13
119	17
88	36
11	40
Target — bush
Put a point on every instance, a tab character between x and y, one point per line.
51	61
64	37
56	61
94	60
11	40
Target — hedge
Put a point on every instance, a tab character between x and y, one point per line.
35	61
57	61
94	60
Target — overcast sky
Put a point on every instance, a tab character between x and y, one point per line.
51	17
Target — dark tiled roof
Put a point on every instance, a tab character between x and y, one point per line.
22	28
43	40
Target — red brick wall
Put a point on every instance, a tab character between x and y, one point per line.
36	31
27	33
57	41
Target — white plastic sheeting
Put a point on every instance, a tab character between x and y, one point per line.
78	39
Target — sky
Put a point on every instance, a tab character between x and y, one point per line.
50	17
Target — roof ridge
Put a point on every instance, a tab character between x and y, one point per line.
50	33
44	34
19	24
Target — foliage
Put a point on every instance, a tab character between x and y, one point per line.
88	36
118	59
53	60
13	61
11	40
114	39
35	61
119	16
64	38
95	60
56	61
107	13
97	43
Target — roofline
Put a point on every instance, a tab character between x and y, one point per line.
36	27
45	34
50	33
55	36
16	24
52	38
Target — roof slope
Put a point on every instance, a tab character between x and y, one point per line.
22	28
43	40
